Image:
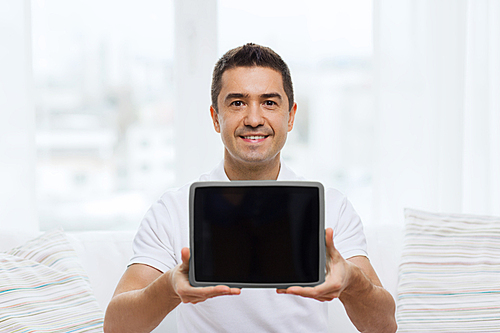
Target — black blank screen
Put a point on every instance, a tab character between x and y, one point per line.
256	234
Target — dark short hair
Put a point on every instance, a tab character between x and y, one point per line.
250	55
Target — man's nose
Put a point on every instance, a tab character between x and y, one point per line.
254	116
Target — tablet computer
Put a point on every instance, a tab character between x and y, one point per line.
257	234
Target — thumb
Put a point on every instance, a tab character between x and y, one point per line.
330	248
185	255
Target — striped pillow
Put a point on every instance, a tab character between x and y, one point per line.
43	288
449	277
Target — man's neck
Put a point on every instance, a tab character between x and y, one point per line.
252	171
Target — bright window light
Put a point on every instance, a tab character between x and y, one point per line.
328	46
103	75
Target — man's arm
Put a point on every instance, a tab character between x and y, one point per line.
144	296
354	281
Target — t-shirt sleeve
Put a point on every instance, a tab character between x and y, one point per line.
349	238
153	243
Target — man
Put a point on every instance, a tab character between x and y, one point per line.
253	110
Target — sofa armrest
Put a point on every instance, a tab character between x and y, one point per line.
104	256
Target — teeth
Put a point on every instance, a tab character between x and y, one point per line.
254	137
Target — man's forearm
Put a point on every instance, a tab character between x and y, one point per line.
143	309
370	307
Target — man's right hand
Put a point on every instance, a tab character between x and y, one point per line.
144	296
189	294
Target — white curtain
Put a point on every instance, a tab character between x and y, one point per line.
438	104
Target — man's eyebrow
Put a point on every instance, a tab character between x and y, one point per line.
240	95
272	95
235	95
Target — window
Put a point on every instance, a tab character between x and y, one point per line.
104	110
105	103
328	46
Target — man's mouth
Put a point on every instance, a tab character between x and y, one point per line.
254	137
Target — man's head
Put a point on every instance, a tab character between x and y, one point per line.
251	55
252	110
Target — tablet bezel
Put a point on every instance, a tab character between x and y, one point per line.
258	183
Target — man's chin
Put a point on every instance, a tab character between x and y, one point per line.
258	160
255	159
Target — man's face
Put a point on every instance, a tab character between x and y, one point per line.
254	116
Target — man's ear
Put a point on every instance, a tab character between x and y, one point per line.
215	119
291	116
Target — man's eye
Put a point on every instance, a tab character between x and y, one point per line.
237	103
270	103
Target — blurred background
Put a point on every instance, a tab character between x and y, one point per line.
105	104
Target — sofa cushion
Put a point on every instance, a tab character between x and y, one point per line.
449	277
43	288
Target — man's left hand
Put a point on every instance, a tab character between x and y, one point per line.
336	280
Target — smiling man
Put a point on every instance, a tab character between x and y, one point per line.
253	109
253	116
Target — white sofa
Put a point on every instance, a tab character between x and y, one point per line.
105	254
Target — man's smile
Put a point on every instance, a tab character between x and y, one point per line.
253	138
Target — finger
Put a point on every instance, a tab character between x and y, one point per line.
218	291
330	247
205	292
320	293
185	255
333	256
303	291
194	295
234	291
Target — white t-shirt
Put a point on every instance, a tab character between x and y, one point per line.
164	231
